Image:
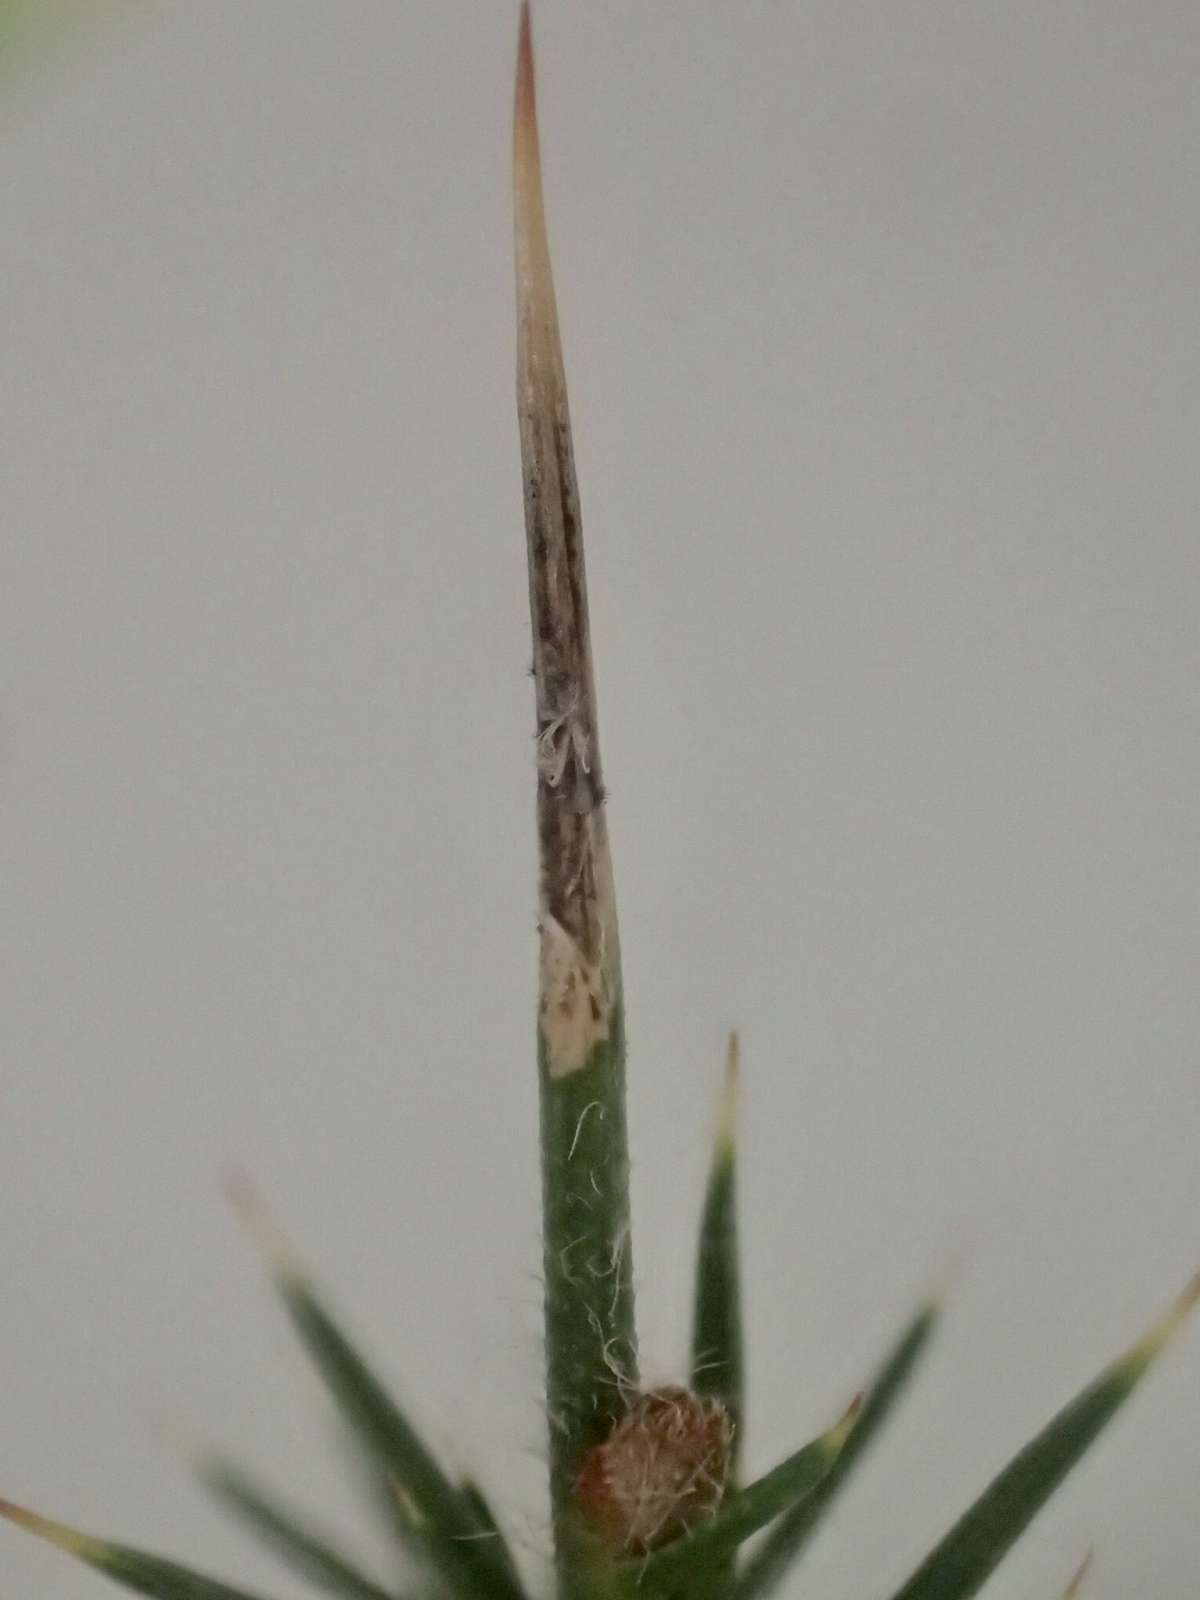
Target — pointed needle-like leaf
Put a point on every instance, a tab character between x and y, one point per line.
962	1562
717	1315
134	1569
282	1532
771	1562
711	1543
591	1353
444	1527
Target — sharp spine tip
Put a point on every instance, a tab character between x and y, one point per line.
175	1434
250	1210
727	1122
526	96
844	1426
532	249
57	1533
1081	1571
944	1282
1159	1335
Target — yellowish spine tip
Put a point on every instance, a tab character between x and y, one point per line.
1159	1335
69	1539
727	1123
251	1211
836	1438
1076	1583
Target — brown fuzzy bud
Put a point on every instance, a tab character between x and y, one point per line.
660	1471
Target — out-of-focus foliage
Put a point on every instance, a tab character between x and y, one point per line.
32	29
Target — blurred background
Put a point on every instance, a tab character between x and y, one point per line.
880	323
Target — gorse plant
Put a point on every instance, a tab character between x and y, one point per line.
646	1494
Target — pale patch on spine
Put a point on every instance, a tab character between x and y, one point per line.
576	1006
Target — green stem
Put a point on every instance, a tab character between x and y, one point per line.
590	1348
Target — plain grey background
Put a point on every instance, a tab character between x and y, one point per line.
880	324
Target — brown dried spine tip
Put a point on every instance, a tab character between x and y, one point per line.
661	1470
580	960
